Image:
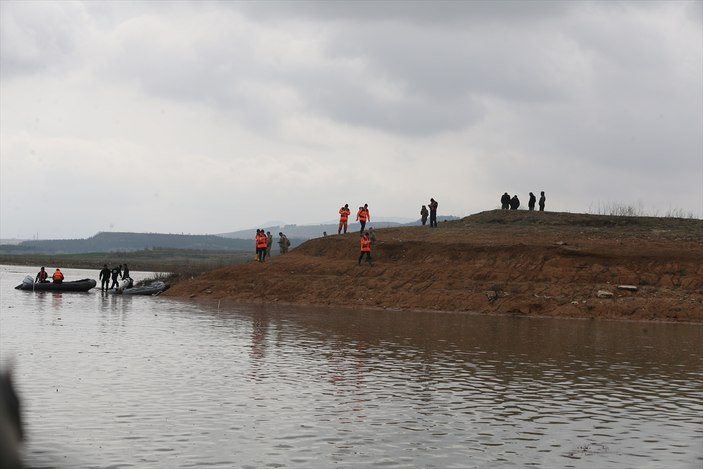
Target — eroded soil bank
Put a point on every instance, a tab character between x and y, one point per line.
496	262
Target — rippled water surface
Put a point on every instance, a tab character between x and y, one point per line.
111	381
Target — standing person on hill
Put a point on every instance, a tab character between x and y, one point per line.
344	213
542	200
362	216
115	273
260	245
57	276
514	203
433	213
505	201
423	215
365	248
104	278
531	202
42	276
269	243
283	243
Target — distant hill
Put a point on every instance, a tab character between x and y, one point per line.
126	242
235	241
317	231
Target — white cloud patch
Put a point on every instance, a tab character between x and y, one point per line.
207	117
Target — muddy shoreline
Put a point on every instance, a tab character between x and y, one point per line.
498	262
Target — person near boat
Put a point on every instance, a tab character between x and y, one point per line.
42	276
105	278
57	276
116	272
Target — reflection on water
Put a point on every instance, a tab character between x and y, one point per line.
114	381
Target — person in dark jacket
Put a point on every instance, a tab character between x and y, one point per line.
505	201
542	200
104	278
433	213
116	273
531	202
514	203
42	276
125	272
423	215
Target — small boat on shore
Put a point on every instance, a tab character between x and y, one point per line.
153	288
83	285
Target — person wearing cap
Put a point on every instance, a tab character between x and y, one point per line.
57	276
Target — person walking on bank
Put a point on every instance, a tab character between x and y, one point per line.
514	203
57	276
423	215
344	213
115	273
362	216
104	278
269	243
542	200
42	276
283	243
433	213
365	248
531	202
505	201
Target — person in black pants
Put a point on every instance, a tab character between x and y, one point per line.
116	273
433	213
104	278
542	200
531	202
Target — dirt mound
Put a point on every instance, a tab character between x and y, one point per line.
516	262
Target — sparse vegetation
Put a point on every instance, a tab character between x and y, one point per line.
619	209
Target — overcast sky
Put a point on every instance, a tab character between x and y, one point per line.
209	117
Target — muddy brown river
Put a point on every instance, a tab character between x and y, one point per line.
113	382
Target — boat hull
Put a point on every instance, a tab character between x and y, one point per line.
74	286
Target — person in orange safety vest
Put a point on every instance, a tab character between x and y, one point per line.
42	276
57	276
344	213
365	248
261	242
362	216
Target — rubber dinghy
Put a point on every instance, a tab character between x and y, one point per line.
74	286
153	288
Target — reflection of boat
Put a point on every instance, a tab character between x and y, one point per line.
154	288
76	285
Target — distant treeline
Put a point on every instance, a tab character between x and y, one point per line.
127	242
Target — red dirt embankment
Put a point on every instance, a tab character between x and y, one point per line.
514	262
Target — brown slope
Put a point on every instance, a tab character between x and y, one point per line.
517	262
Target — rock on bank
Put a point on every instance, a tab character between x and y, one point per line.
505	262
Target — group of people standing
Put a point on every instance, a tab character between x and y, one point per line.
513	203
362	216
432	213
120	272
264	242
